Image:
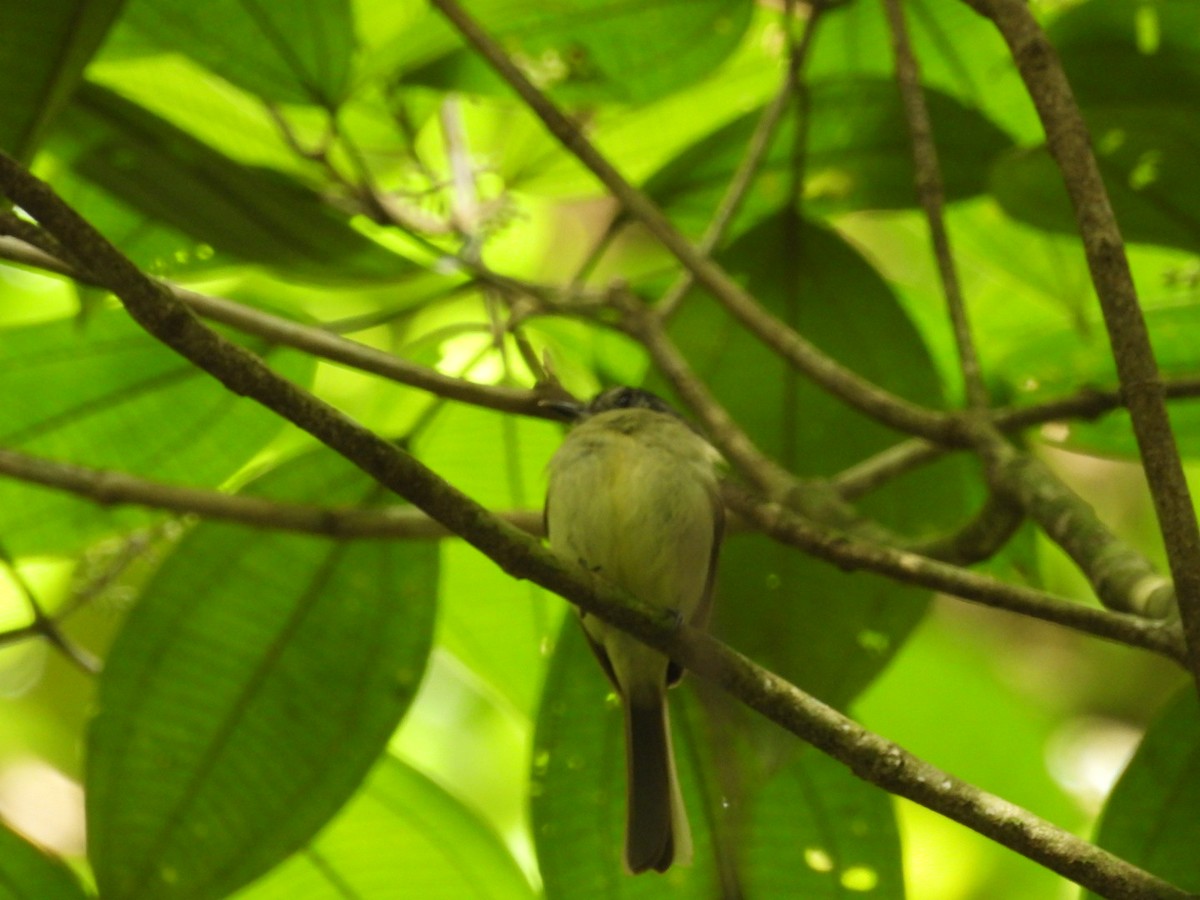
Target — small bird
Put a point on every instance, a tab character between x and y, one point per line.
633	499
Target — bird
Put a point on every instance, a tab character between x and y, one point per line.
633	498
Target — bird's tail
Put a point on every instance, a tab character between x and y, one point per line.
657	831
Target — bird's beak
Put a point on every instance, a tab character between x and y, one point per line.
567	410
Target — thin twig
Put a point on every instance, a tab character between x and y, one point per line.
748	168
317	341
1141	384
851	553
1086	404
43	624
931	195
875	401
980	538
116	488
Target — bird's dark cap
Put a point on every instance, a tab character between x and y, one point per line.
613	398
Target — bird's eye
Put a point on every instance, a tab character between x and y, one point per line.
624	400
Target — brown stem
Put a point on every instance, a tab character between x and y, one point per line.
931	195
911	568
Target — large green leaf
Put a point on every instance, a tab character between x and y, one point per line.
27	872
857	155
101	392
1150	818
1143	124
249	692
42	56
806	829
599	49
402	836
283	52
826	630
171	201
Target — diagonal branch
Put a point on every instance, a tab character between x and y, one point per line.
747	170
911	568
1122	578
1137	370
883	763
931	195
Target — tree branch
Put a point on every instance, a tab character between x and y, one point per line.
1122	578
881	762
111	488
747	170
314	340
908	567
1141	385
931	196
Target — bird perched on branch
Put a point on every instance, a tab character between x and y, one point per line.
633	499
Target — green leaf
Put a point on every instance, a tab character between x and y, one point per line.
45	49
806	829
1143	124
1145	157
283	52
590	50
639	140
401	836
100	392
773	602
857	157
1150	819
169	200
250	691
27	872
